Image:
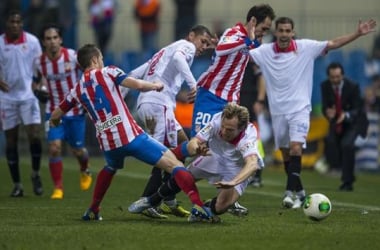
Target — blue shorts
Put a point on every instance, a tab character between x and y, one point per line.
71	130
143	147
206	105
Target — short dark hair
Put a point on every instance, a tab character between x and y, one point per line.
13	12
86	53
334	65
200	30
50	26
284	20
260	12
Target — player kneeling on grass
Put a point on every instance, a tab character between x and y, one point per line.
231	159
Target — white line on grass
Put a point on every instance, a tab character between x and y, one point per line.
264	193
249	191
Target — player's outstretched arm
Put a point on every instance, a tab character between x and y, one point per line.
363	29
250	166
141	85
55	118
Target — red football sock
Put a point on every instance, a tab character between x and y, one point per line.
186	182
103	181
178	152
56	169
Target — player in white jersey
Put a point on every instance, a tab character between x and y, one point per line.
118	134
287	66
171	66
233	158
18	49
57	71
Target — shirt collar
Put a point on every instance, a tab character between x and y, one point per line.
292	47
241	27
19	40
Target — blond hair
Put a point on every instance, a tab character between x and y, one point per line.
232	110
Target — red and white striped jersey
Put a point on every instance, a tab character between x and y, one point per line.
224	76
61	75
98	92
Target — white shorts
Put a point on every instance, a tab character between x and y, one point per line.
14	112
207	167
160	123
291	128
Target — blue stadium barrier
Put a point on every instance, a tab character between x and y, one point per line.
355	68
109	58
335	56
130	60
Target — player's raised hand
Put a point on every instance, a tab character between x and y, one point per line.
213	42
190	96
4	87
366	27
251	26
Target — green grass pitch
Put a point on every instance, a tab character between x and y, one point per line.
35	222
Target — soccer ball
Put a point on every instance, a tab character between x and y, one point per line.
317	206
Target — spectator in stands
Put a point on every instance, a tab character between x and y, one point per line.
147	13
102	19
186	17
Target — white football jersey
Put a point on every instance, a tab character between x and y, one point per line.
228	154
288	75
16	66
171	66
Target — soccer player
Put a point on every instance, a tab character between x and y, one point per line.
18	49
234	157
287	66
117	132
57	71
171	66
221	82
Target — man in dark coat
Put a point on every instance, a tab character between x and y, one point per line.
342	105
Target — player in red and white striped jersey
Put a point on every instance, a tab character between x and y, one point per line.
18	49
118	134
57	71
222	80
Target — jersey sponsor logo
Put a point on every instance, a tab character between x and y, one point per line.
206	130
113	121
58	77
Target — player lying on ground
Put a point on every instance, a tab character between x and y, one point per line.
234	157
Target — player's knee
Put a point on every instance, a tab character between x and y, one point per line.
54	150
79	152
11	153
